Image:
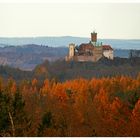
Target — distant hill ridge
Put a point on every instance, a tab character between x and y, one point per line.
65	40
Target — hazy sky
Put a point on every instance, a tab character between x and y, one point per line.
109	20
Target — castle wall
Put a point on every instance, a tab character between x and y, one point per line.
98	53
98	50
82	58
108	54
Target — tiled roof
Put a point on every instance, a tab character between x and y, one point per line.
91	46
107	47
86	45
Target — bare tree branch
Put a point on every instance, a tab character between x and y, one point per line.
12	123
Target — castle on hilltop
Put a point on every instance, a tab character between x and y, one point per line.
92	51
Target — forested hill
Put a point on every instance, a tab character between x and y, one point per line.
27	57
62	71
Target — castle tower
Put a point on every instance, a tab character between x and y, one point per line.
71	50
94	36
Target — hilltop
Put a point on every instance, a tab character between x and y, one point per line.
61	70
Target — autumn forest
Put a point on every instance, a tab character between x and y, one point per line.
79	107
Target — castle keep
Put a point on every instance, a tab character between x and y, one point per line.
92	51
